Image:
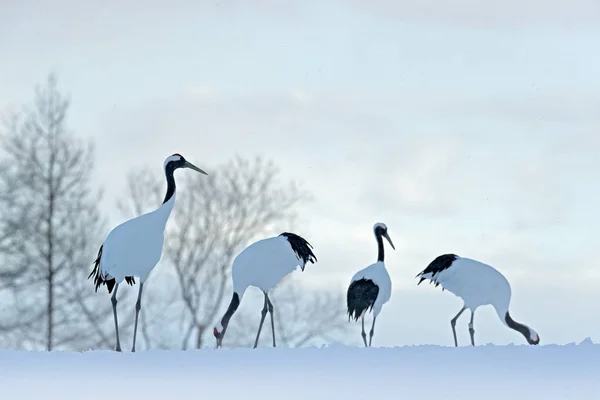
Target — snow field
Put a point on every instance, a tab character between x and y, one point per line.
415	372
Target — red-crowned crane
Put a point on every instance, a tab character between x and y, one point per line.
477	284
135	247
263	264
371	287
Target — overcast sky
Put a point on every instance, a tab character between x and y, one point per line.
468	127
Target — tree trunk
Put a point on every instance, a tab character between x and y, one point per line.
50	282
50	255
50	305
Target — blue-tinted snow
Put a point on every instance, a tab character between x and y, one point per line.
334	372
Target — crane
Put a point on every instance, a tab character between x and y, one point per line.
371	287
477	284
263	264
134	247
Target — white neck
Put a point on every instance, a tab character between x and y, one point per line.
240	288
164	211
501	310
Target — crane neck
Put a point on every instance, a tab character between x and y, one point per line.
380	251
169	170
233	306
164	211
521	328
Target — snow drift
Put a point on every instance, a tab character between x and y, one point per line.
333	372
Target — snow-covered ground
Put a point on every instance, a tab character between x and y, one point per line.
335	372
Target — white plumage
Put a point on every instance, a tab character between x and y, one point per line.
477	284
380	277
134	247
263	264
371	287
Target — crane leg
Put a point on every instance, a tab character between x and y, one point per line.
138	307
270	308
453	324
263	314
364	335
372	331
471	329
113	300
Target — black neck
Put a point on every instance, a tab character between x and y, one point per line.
170	183
517	326
380	253
233	306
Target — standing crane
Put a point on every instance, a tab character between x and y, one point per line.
477	284
371	287
263	264
135	247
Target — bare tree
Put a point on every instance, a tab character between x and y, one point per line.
216	216
49	229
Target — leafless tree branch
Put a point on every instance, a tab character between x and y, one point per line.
49	229
215	218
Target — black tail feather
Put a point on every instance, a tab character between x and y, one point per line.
100	280
301	247
110	284
361	297
438	265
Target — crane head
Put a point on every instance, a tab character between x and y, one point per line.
219	335
176	160
380	229
533	338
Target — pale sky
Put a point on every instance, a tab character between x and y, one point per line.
466	127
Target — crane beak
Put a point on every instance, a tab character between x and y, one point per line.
385	235
192	166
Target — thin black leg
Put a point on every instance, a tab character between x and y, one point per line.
113	300
471	329
270	308
364	335
138	307
453	324
372	331
263	314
